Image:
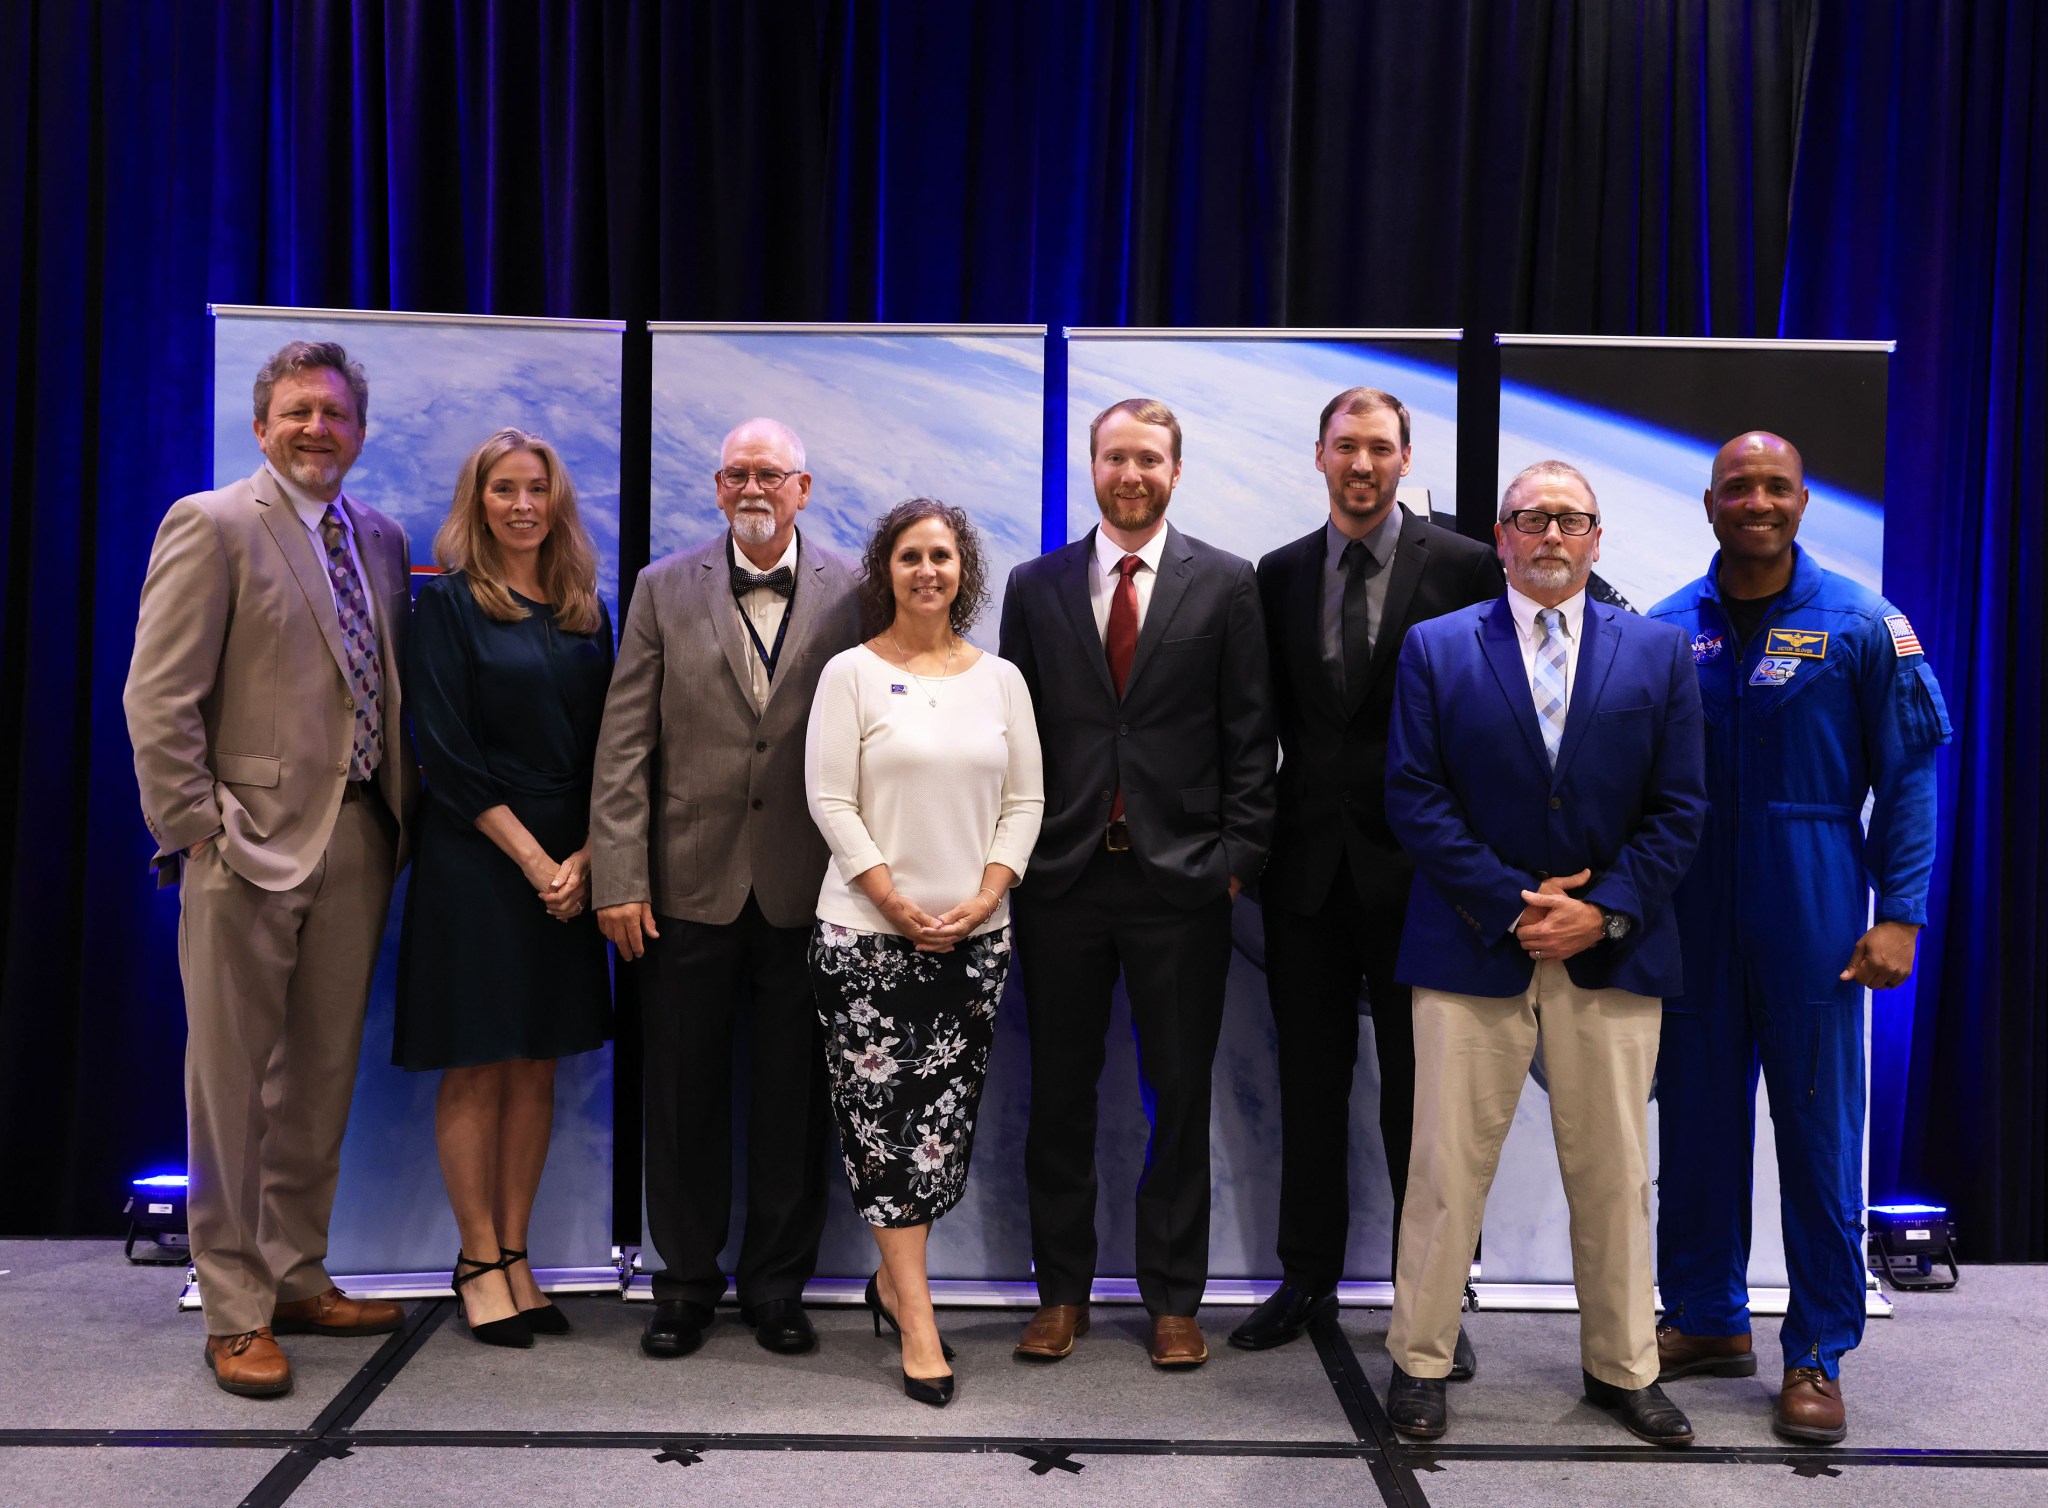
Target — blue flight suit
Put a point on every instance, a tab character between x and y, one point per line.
1831	700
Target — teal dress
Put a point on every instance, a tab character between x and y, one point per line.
503	714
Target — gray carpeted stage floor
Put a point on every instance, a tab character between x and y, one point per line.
103	1400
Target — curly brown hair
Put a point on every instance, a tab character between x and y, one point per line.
878	597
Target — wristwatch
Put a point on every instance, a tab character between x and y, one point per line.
1613	924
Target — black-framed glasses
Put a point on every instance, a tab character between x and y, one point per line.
1536	521
733	478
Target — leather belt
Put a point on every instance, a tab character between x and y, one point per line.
1117	836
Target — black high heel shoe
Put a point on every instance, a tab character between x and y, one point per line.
542	1319
881	1316
513	1330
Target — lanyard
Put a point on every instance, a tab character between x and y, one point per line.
769	656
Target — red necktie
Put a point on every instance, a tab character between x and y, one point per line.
1121	643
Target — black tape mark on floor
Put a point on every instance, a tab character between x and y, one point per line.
1815	1469
1055	1459
681	1455
1391	1472
286	1477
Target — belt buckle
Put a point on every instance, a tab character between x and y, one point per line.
1117	836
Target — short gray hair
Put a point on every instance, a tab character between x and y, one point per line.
297	356
775	430
1547	471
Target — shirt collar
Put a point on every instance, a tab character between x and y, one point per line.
309	508
1379	544
734	558
1525	610
1108	553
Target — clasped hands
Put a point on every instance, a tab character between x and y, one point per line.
564	888
937	934
1555	925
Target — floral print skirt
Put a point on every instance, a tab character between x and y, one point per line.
907	1038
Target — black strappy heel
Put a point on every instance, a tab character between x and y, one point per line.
513	1330
543	1319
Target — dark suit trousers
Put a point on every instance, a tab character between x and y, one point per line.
1314	965
703	976
1174	963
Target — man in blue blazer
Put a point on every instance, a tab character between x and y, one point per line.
1145	654
1546	772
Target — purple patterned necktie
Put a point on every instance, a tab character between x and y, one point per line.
359	634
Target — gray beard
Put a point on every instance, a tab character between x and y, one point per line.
310	473
1544	575
752	528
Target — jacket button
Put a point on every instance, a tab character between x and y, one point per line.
1556	802
761	746
1107	795
349	702
756	803
342	768
1123	730
1542	875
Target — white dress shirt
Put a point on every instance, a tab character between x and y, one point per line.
1102	583
764	609
310	511
1530	635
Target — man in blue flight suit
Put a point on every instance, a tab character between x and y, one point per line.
1816	692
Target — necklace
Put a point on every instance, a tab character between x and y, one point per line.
944	670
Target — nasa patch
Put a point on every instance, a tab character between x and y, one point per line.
1904	640
1706	648
1773	670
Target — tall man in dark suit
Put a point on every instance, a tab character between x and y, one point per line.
1338	602
1546	770
1146	660
278	779
704	857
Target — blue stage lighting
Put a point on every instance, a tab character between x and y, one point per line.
1908	1241
156	1208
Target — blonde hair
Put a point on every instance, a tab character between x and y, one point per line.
568	562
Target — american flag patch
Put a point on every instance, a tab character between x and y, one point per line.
1904	640
897	690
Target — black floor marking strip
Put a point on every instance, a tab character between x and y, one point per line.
1396	1480
374	1439
1736	1455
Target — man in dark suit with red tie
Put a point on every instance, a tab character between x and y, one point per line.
1146	659
1338	602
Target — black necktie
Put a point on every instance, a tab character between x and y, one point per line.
1359	567
781	581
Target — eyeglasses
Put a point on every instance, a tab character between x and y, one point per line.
1536	521
733	478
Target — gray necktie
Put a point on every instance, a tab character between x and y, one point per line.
1549	682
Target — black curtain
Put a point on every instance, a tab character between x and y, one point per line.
1786	167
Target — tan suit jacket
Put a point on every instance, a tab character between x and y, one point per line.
232	733
699	796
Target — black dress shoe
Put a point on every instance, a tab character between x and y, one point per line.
1464	1360
781	1325
1286	1313
1416	1405
936	1391
1645	1412
676	1329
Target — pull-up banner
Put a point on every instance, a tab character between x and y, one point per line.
439	386
1643	418
1248	402
885	413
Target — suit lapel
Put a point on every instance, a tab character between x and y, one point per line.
802	610
1176	566
1503	650
1597	647
303	557
715	578
1072	585
1411	553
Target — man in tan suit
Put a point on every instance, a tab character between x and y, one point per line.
705	858
277	777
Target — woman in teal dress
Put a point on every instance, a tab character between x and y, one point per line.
501	969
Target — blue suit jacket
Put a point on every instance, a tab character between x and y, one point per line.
1474	800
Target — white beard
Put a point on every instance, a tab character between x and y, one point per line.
308	472
753	526
1544	575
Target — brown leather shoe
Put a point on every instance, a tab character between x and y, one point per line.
1682	1355
249	1364
1810	1408
335	1313
1052	1330
1177	1341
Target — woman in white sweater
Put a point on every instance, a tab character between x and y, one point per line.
923	771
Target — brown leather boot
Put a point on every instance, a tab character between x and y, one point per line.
1682	1355
335	1313
1052	1330
1810	1408
249	1364
1177	1341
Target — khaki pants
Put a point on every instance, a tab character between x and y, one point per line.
1472	1053
275	983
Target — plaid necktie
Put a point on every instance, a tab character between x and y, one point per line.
359	635
1549	681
